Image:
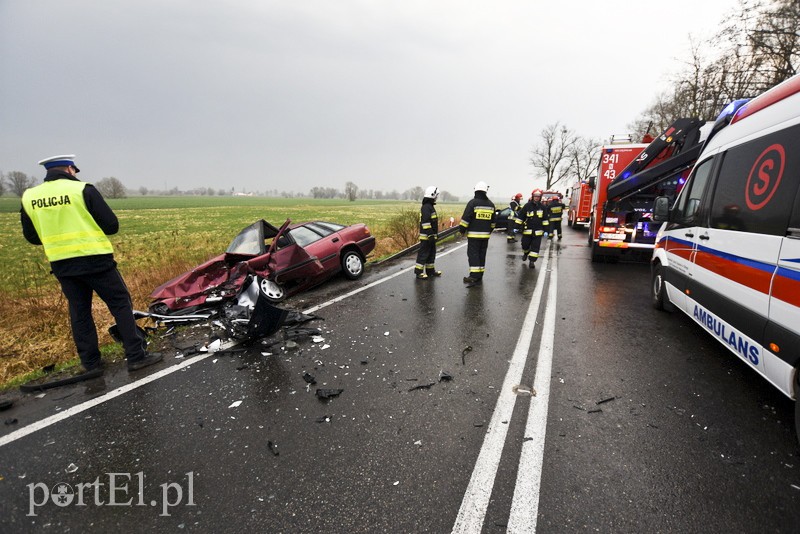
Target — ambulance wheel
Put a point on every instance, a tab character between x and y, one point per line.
657	287
352	265
271	290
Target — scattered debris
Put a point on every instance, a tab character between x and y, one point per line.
49	368
445	376
523	390
422	386
527	439
595	411
6	404
325	394
323	419
242	367
364	362
11	421
606	400
235	404
273	448
199	421
464	352
71	468
309	378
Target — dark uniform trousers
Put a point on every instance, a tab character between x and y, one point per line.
110	286
476	256
555	227
426	256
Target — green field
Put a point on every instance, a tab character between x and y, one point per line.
194	228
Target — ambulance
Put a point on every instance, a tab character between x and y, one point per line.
728	251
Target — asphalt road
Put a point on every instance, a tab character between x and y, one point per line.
640	422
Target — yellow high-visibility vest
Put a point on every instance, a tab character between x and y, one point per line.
64	224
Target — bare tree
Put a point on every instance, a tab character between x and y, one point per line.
2	184
552	155
350	191
18	182
583	156
111	188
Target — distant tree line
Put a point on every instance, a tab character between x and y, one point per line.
754	49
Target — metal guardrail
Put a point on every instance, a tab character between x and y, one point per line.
413	248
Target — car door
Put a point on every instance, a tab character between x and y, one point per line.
322	241
737	252
681	233
288	263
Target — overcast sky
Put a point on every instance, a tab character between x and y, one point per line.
261	94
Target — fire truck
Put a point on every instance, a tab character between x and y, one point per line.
580	205
630	176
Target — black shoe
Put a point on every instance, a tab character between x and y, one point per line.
525	257
469	279
149	359
532	264
98	366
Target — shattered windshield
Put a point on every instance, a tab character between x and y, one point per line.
249	241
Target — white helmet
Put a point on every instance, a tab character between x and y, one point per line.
432	192
481	186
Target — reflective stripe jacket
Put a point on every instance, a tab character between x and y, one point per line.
428	220
62	221
556	209
534	216
478	218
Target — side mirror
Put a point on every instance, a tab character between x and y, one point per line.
661	210
591	183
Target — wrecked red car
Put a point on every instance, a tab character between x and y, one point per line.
283	261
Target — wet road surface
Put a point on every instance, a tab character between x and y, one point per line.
644	422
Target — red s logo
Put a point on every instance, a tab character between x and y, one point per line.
765	177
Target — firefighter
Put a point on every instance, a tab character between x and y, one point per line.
428	233
71	220
556	207
535	220
477	222
515	204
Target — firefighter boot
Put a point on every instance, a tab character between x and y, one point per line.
524	255
422	276
433	273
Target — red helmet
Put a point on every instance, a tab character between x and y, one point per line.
518	196
536	193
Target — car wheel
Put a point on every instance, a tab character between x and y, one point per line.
352	264
657	287
272	290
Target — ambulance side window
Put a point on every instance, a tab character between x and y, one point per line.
691	195
757	184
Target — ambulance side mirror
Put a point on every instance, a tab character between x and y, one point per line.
661	209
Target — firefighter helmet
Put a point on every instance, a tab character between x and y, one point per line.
481	186
518	197
536	193
432	192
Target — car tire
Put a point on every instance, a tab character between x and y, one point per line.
657	290
273	291
352	265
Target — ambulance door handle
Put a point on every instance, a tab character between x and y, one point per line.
704	236
689	234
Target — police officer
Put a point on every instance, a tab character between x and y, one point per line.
515	204
556	207
477	222
71	220
428	233
535	220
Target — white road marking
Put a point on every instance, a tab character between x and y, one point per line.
472	513
60	416
525	504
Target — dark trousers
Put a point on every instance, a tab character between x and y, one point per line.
426	256
476	255
110	287
531	244
555	226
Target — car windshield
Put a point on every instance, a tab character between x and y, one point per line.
253	240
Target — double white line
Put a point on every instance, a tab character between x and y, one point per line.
525	503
